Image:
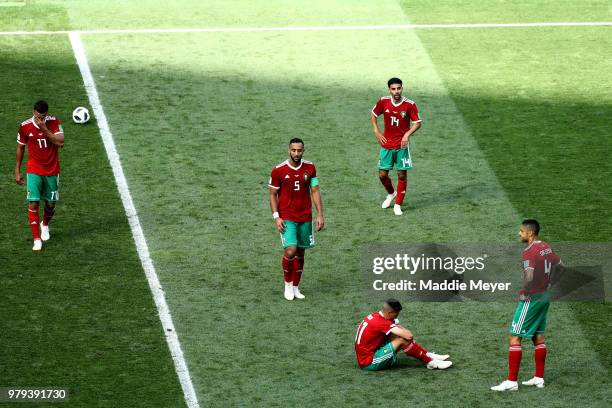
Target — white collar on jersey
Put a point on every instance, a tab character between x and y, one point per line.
402	101
294	168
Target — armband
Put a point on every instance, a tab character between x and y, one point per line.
314	182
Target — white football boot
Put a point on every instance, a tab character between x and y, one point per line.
44	232
297	294
440	357
289	295
397	209
439	364
537	381
506	386
389	200
37	245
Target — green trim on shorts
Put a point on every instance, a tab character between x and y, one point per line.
384	357
530	316
298	234
400	158
42	188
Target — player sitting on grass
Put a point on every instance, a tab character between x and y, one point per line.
380	337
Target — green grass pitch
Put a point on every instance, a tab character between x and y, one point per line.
516	124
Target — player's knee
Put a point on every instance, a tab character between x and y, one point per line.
33	205
383	175
514	340
290	251
401	175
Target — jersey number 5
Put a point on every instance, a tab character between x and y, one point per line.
296	185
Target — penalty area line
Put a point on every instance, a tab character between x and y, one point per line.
313	28
130	211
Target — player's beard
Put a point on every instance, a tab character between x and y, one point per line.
296	159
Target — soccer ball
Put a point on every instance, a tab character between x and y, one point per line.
80	115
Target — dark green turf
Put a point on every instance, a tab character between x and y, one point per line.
79	314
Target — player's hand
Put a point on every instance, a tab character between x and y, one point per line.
405	141
280	225
381	138
18	178
320	222
42	125
523	297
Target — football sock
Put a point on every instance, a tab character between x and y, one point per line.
386	181
515	353
48	214
415	350
288	268
298	268
401	191
34	221
540	358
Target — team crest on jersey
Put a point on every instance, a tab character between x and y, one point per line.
403	114
305	176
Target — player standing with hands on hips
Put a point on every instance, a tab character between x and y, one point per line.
401	119
291	184
542	268
44	136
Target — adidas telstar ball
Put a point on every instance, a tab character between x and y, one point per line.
80	115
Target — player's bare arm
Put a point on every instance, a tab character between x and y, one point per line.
280	224
379	135
55	138
18	159
557	271
402	332
527	280
318	202
415	126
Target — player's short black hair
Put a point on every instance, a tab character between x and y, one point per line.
532	225
394	80
296	140
41	106
393	304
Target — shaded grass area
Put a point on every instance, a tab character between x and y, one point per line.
501	11
545	133
79	314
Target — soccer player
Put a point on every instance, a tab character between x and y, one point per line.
43	135
541	269
380	336
291	184
401	119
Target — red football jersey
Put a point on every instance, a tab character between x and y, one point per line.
397	119
371	334
293	184
43	157
540	258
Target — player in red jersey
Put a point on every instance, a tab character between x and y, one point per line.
380	336
542	268
44	136
401	119
291	184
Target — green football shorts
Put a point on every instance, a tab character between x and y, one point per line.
383	358
42	188
298	234
399	158
530	316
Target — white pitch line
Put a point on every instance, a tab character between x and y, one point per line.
130	210
312	28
